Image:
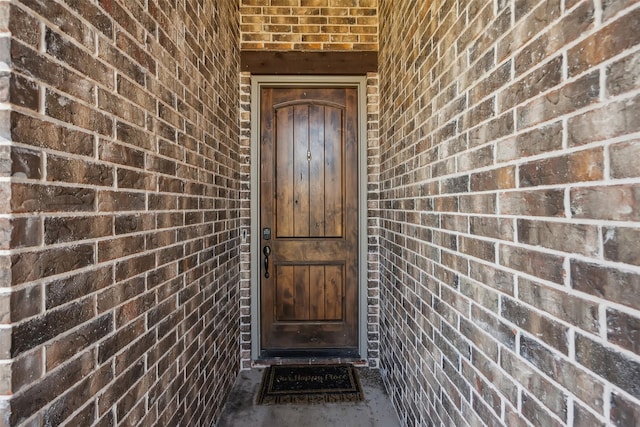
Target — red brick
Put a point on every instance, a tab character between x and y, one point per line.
608	363
45	134
39	198
547	151
26	163
538	81
53	385
61	17
532	203
492	227
65	347
478	248
582	166
534	383
607	283
117	388
45	69
499	378
543	265
78	286
38	330
36	265
68	403
68	229
610	121
536	141
120	108
93	15
479	203
569	28
23	26
65	169
623	330
62	108
604	44
120	201
583	384
623	411
24	303
534	412
110	54
500	126
542	327
614	202
120	247
132	49
622	244
570	238
491	83
179	191
576	311
621	75
134	266
531	24
583	417
138	180
77	58
23	92
26	369
136	94
495	179
480	113
25	232
567	99
136	137
622	159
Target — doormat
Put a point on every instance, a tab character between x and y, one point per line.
302	384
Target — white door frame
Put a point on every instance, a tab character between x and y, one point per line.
359	82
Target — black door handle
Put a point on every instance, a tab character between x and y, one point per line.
266	251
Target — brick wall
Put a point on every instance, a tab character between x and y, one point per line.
245	215
309	24
510	211
373	221
120	259
5	192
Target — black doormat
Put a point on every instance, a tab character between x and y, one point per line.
301	384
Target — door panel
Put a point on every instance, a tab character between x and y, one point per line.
309	171
309	292
309	199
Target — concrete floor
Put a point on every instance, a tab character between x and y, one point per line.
375	411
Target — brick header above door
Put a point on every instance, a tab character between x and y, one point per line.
309	25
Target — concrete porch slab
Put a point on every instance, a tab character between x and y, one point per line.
375	411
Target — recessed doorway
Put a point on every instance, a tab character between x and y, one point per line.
308	218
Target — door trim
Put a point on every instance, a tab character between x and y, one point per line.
359	82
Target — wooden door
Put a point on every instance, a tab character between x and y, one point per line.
309	202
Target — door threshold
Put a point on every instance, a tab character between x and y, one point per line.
318	353
265	362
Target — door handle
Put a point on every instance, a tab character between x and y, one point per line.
266	251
